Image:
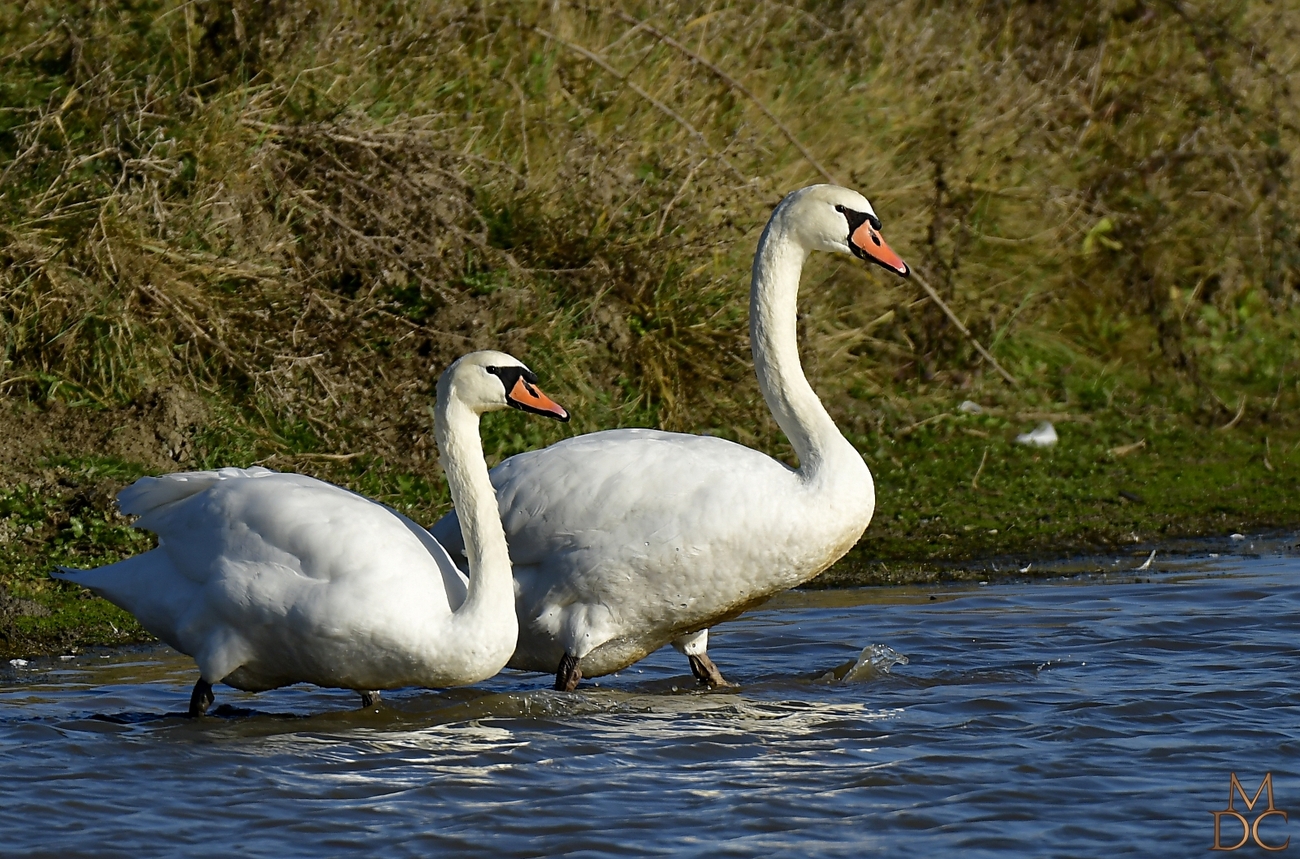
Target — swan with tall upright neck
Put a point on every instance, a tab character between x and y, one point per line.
269	579
626	540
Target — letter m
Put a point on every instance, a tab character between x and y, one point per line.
1235	788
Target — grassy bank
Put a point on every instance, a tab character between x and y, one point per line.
255	232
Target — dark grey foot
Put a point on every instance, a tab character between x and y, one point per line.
369	699
201	698
568	674
706	672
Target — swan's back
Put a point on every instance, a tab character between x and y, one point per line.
603	489
250	560
153	493
582	493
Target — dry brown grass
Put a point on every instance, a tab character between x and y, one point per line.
305	210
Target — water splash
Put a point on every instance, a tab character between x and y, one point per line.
875	659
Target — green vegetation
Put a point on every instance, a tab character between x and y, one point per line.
964	491
237	232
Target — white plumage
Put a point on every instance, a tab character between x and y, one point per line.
625	540
268	579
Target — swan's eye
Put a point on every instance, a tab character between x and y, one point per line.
856	218
853	218
507	375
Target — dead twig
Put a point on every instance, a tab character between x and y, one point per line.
975	481
194	328
1126	449
952	317
911	428
398	140
331	457
315	208
1241	410
663	216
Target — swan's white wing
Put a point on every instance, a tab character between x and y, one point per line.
613	490
152	493
453	578
254	560
604	489
321	531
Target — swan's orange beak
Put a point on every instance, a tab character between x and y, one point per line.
867	244
530	398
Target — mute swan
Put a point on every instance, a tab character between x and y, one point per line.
625	540
269	579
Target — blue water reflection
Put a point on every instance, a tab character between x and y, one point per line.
1066	718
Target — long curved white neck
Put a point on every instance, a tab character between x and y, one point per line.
773	334
489	605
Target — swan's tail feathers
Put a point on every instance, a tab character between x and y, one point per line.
150	493
105	581
66	574
88	580
147	585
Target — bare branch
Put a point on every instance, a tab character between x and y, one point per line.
952	317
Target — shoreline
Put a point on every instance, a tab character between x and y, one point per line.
1032	562
1097	565
957	501
1014	568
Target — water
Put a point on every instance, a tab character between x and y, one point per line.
1072	718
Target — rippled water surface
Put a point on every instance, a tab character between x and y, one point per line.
1070	718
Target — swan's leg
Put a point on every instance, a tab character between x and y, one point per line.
201	698
705	671
368	698
568	674
695	646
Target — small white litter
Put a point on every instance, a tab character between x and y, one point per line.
1238	536
970	407
1043	436
18	663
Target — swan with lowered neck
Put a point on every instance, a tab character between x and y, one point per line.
625	540
269	579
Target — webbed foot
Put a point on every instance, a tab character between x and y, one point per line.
568	674
201	698
705	671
